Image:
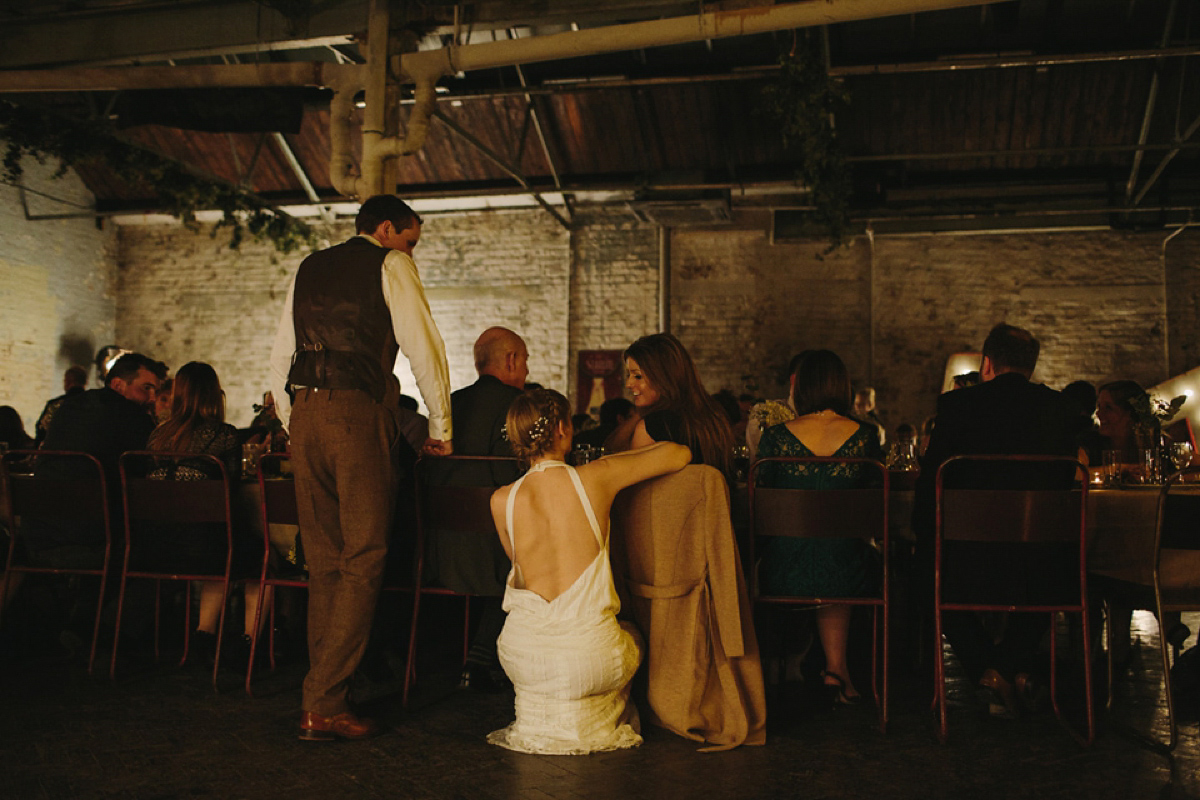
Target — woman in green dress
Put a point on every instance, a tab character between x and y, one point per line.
820	390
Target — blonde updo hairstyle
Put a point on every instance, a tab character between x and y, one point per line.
533	418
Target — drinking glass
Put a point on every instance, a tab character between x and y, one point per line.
250	456
1112	467
1180	454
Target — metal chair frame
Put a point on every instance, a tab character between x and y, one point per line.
1174	529
61	500
277	506
167	501
455	508
1013	516
829	514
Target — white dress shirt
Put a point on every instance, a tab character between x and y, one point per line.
415	331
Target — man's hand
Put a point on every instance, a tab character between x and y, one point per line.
436	447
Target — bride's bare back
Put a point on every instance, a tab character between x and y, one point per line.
554	542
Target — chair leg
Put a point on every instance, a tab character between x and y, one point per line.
1108	649
466	628
410	660
112	664
220	634
258	610
1089	698
1165	647
96	623
883	710
939	676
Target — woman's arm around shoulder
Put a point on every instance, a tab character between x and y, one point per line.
617	471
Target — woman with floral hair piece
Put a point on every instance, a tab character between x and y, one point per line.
569	659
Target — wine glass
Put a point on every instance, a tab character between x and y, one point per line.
1180	454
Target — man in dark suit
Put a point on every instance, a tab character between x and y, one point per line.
469	562
1005	414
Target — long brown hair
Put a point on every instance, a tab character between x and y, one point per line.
669	369
197	399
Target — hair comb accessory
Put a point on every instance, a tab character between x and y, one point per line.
538	429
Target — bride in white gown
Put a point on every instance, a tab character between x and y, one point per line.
568	657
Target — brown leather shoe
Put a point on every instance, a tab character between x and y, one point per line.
316	728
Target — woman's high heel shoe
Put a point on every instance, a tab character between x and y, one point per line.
837	690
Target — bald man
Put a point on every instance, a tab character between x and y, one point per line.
475	563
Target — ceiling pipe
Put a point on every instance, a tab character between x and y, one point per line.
426	67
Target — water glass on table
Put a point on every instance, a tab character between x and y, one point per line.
1111	469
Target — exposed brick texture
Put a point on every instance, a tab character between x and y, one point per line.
1104	304
57	287
187	296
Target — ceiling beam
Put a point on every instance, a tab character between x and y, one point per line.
172	30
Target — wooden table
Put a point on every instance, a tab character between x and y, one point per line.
1121	526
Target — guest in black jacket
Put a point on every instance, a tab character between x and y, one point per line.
1005	414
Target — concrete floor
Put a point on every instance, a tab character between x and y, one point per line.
161	732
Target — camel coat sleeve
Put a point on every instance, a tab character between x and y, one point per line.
675	555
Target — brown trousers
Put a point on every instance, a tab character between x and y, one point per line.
343	458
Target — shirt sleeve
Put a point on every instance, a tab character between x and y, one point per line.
281	358
419	339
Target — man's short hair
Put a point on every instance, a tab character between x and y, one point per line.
75	376
493	345
127	366
614	409
1011	349
384	208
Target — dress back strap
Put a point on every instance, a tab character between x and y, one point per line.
587	506
508	514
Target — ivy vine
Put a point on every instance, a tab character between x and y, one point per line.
41	135
802	102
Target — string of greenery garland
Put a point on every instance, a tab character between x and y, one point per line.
40	134
802	101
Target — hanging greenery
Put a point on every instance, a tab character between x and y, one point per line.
802	102
41	135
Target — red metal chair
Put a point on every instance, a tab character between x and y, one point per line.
830	514
81	500
170	502
277	507
1177	532
447	508
1014	516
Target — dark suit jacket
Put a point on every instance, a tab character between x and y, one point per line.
104	424
475	564
1006	415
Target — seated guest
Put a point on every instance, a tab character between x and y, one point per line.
162	402
1118	419
1082	397
613	412
414	426
12	430
1005	414
569	659
766	413
826	567
474	563
74	382
197	425
672	405
103	423
864	410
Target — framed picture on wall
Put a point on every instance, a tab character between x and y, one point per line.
599	377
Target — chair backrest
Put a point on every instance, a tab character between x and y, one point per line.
1178	519
1011	514
455	508
858	513
278	494
149	499
67	500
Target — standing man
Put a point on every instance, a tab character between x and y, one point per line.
473	562
74	382
349	310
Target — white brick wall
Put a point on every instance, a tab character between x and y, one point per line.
1102	303
57	287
